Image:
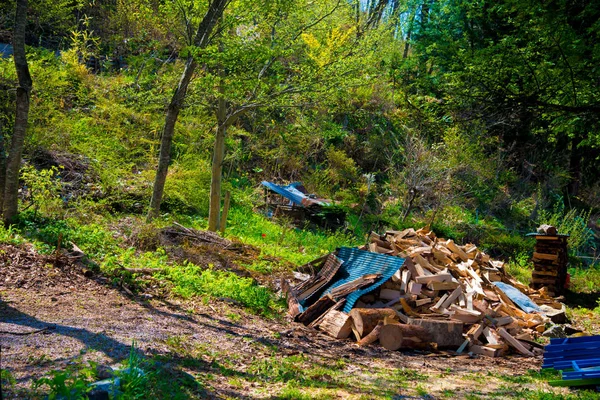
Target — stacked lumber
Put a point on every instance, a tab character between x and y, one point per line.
577	358
550	260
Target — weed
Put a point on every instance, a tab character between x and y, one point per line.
133	379
190	280
70	384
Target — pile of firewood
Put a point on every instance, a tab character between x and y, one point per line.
442	297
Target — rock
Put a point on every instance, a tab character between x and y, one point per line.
104	372
98	394
556	316
110	386
555	331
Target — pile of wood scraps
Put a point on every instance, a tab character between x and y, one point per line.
444	296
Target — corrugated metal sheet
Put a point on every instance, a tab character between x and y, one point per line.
360	262
291	193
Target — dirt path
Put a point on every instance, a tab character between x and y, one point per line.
227	352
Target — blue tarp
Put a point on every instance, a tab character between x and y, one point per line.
291	193
6	50
358	263
524	302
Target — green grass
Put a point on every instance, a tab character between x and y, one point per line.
297	246
191	280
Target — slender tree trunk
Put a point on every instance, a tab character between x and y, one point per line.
2	165
575	166
167	137
11	188
214	208
201	40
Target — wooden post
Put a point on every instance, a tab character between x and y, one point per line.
225	212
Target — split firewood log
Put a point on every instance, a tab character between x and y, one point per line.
364	320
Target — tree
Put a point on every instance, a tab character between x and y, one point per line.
11	185
201	40
278	55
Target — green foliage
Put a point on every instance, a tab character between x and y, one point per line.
42	190
297	246
571	222
70	384
7	379
191	280
134	380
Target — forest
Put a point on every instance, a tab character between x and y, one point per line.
135	134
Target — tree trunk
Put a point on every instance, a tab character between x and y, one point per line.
214	207
11	187
575	166
201	40
2	166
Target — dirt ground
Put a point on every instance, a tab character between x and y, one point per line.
87	318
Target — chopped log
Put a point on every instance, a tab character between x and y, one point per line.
395	336
337	306
438	305
547	230
316	310
447	334
372	336
336	324
414	288
364	320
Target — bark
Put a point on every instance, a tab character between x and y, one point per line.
11	187
364	320
2	166
201	40
575	166
217	168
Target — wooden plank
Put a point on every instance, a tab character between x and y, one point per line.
404	280
456	250
542	256
452	298
514	342
436	307
450	285
316	310
421	302
483	350
440	277
489	336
